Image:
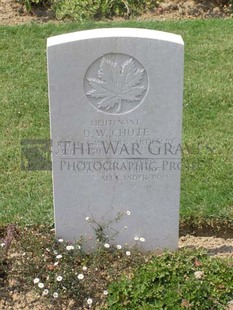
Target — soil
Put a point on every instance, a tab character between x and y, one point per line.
14	13
219	247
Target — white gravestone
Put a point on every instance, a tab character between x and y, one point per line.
116	113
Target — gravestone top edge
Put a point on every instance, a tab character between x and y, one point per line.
114	33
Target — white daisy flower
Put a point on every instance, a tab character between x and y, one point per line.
36	280
119	247
45	292
105	292
59	256
142	239
136	238
87	218
55	295
89	301
59	278
69	247
106	245
128	253
41	285
128	212
80	276
56	263
84	268
60	240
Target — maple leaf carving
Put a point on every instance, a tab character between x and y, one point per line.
116	83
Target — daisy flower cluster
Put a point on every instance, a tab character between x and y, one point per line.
69	270
55	281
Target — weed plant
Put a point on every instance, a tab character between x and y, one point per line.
186	279
83	10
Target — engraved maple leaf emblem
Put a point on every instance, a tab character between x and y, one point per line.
116	83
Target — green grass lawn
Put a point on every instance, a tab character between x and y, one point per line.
206	189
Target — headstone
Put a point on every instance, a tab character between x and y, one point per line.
116	112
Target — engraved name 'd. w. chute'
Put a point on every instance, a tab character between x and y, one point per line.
116	83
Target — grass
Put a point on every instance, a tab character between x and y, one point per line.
206	189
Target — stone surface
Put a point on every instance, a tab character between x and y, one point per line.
116	112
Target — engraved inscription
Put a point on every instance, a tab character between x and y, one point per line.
116	84
116	150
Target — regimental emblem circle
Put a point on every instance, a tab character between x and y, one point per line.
116	84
